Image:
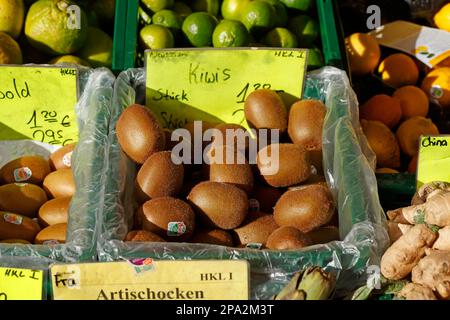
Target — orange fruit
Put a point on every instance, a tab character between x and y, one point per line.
409	132
363	53
383	143
387	170
399	70
412	167
382	108
445	63
437	86
413	100
442	18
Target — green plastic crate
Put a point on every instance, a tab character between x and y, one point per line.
126	30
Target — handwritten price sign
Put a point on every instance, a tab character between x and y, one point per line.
21	284
38	103
213	84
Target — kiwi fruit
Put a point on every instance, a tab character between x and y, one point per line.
169	218
291	167
22	198
232	135
214	236
305	208
324	235
142	236
219	205
257	227
54	211
60	183
15	226
52	234
264	109
62	158
305	127
288	238
264	198
29	169
159	177
139	133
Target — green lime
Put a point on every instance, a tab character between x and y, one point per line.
281	18
69	60
230	33
156	37
280	38
98	48
315	59
158	5
182	9
12	13
210	6
258	15
198	28
303	5
169	19
305	28
9	50
50	29
232	9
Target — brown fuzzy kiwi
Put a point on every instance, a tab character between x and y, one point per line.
143	236
264	108
306	208
29	169
265	197
60	183
159	177
219	205
22	198
62	158
232	135
288	238
306	119
162	215
292	163
215	236
324	235
257	227
139	133
54	233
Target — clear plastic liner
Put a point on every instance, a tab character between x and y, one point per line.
348	163
88	162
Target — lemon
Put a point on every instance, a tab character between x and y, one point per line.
9	50
12	13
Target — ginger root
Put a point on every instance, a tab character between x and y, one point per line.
396	230
443	240
428	190
434	271
413	291
404	254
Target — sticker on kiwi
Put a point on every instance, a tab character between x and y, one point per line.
141	265
13	218
176	229
253	205
256	246
22	174
67	159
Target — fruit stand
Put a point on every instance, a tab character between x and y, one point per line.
224	150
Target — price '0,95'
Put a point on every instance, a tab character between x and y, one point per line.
46	134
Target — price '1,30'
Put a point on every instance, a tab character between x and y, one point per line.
48	127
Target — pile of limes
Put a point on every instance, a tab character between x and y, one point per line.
57	31
229	23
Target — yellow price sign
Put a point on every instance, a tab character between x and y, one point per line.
21	284
146	279
38	103
213	84
434	160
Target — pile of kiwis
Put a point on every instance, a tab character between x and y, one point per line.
35	195
241	204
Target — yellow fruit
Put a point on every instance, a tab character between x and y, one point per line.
409	132
413	100
383	143
363	53
9	50
437	86
442	18
399	70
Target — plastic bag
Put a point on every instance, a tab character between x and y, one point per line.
348	163
88	161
